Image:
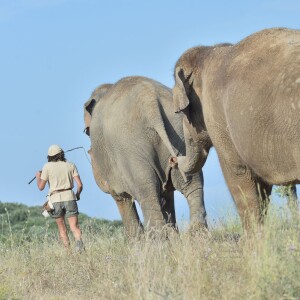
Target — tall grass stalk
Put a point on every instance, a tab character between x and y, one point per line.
218	265
10	229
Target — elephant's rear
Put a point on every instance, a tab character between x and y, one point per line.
146	106
265	70
127	129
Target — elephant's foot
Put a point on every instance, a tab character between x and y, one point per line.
157	234
162	234
198	228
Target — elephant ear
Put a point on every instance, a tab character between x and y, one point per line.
90	105
180	98
88	109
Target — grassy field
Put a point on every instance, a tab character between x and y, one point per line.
218	265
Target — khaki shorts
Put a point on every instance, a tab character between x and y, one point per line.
65	208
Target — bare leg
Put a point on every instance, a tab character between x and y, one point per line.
63	234
73	222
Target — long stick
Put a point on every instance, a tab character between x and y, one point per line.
65	152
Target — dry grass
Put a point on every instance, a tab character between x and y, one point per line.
215	266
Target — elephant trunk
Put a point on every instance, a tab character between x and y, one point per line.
193	191
197	147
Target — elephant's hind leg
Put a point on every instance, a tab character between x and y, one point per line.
168	209
152	211
150	203
249	193
130	217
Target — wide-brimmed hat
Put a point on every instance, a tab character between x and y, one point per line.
54	149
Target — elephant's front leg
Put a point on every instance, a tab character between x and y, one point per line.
250	194
130	217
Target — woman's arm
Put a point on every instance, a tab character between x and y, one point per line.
79	186
40	182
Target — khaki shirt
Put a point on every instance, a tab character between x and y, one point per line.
60	176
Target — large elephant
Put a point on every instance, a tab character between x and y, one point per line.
243	99
134	133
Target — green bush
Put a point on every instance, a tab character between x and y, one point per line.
19	223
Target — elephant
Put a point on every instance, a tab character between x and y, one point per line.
243	100
134	133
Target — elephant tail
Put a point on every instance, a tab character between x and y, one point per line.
158	124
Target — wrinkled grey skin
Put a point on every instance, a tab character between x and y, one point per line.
244	99
134	132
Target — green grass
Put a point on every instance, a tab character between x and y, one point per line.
23	223
217	265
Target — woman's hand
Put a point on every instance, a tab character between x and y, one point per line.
79	186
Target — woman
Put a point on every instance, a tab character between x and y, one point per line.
60	176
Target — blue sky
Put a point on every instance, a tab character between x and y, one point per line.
55	52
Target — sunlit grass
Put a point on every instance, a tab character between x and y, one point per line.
222	264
